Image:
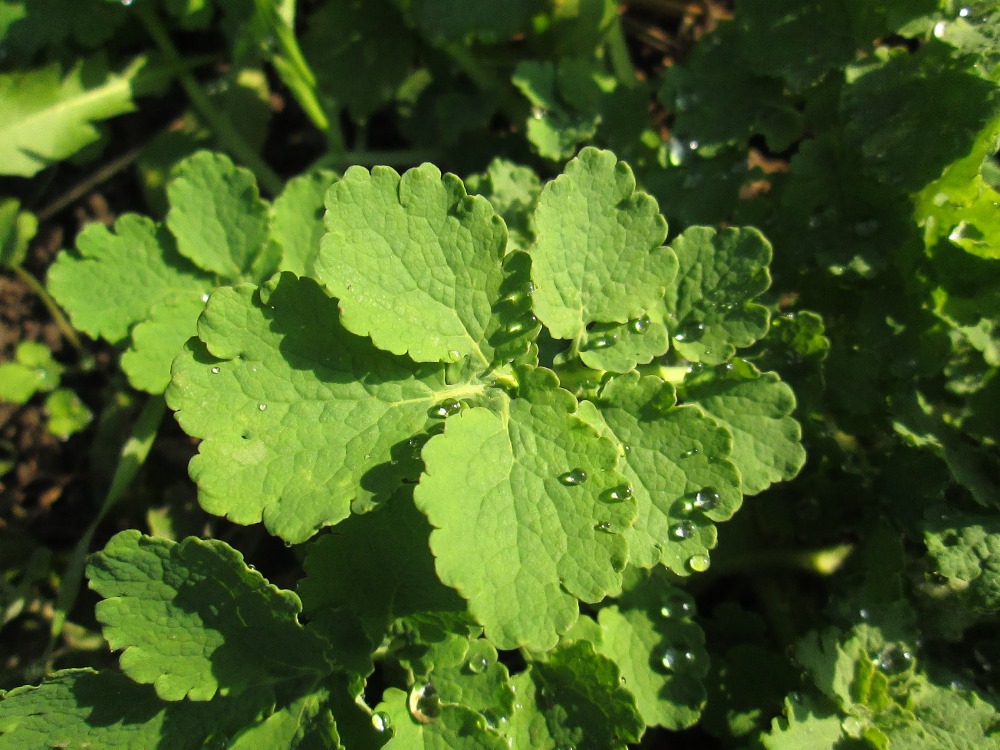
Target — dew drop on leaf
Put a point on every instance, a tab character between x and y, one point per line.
262	407
215	370
706	499
381	721
603	342
603	526
893	660
690	453
683	530
678	605
690	332
445	409
573	477
424	703
965	12
454	354
478	664
640	325
617	494
699	563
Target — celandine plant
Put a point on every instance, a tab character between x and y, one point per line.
504	452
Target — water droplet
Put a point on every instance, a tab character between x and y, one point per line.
640	325
537	113
683	530
424	703
381	721
893	660
940	28
864	614
617	494
671	659
204	298
445	409
690	453
706	499
215	370
454	354
603	342
678	605
573	477
960	232
677	152
693	145
478	664
699	563
627	448
695	367
852	726
690	332
262	407
603	526
530	289
965	12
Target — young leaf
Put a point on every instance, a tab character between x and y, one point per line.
720	272
47	117
598	256
523	523
33	370
415	262
138	261
677	462
189	616
297	416
297	220
755	407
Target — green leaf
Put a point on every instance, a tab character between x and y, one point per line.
677	462
720	272
379	566
190	616
947	719
138	261
297	416
416	263
158	339
614	347
66	413
444	727
17	228
32	371
47	116
803	727
79	708
660	652
556	127
523	525
755	408
218	218
966	548
297	220
361	53
513	192
598	256
575	698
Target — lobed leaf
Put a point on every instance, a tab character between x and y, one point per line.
524	526
755	407
598	256
720	272
217	217
415	262
297	417
677	462
189	617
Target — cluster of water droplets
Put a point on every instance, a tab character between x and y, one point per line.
573	477
447	408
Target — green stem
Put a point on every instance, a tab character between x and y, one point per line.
50	304
133	455
822	562
621	62
220	124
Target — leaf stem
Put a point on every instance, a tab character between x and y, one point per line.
131	458
220	124
50	304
